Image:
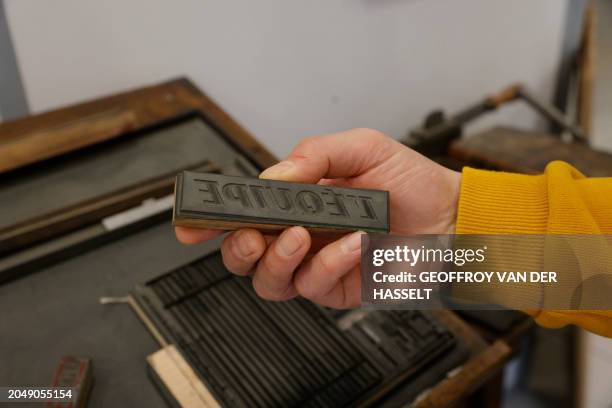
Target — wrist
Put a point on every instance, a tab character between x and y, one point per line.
454	178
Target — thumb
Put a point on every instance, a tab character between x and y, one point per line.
339	155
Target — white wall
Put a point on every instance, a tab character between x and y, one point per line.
286	69
596	354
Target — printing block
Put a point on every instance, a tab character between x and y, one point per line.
77	374
226	202
90	217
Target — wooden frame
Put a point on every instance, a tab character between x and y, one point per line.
31	140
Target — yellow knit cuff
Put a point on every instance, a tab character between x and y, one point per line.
493	202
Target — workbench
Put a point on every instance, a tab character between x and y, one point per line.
55	267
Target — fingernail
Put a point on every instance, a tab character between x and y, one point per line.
352	242
242	243
289	242
278	170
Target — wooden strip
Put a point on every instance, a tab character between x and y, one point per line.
229	202
587	63
144	318
180	380
28	148
151	106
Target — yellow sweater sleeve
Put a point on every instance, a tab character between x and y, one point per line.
560	201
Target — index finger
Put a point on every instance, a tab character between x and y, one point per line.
344	154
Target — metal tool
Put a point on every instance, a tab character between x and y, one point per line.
438	131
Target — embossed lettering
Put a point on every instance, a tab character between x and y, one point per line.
285	203
258	195
363	206
213	190
309	202
366	202
230	202
335	201
237	192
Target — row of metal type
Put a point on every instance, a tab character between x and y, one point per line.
251	352
258	353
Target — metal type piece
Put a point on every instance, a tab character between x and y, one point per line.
228	202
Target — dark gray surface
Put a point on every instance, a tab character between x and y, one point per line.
56	312
111	167
252	200
13	102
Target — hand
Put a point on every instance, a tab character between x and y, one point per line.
423	196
